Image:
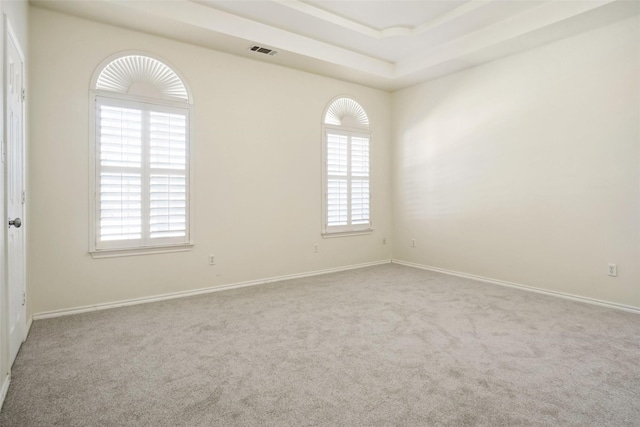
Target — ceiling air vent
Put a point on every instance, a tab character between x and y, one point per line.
263	50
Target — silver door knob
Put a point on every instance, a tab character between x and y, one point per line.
15	222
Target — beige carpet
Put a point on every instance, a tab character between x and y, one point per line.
386	345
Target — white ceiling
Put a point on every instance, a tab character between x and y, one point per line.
384	44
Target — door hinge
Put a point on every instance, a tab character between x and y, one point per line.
24	197
24	94
24	298
4	151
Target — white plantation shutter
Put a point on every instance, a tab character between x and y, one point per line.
337	200
120	142
168	181
346	181
168	140
120	206
360	156
347	185
168	216
360	201
337	194
140	151
360	180
142	171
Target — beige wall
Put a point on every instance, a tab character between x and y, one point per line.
527	169
257	170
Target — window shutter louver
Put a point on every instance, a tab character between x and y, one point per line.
347	164
337	202
168	154
360	186
168	206
360	156
360	201
121	203
120	175
337	154
143	173
168	141
337	194
120	137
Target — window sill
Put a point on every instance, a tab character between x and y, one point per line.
113	253
332	234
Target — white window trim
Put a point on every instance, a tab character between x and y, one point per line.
114	253
94	168
343	230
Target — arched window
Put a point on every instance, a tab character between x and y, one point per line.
141	115
346	179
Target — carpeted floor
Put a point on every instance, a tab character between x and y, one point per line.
386	345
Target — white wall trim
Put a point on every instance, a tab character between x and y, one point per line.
183	294
572	297
4	389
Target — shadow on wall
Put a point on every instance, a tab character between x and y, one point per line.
433	160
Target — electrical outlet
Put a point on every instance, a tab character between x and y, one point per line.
413	243
212	260
612	270
315	247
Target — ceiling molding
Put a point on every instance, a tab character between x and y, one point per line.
389	32
311	39
206	17
529	21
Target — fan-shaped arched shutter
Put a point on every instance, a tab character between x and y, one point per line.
141	75
346	112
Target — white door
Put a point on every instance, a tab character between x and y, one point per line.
14	75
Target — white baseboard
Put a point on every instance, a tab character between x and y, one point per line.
4	389
183	294
523	287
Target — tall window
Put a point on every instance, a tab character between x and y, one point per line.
346	179
140	157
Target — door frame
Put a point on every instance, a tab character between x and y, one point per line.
5	368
